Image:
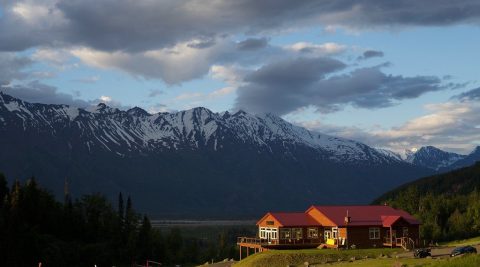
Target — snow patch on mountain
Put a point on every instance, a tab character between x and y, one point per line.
197	128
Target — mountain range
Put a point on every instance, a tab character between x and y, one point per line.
197	163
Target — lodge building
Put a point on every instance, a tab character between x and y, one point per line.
334	227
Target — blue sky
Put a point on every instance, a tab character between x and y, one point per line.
302	61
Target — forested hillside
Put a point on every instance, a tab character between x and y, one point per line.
447	204
34	228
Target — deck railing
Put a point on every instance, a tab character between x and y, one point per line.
404	242
265	242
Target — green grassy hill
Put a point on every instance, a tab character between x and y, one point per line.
343	258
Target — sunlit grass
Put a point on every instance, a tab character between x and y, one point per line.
317	257
313	256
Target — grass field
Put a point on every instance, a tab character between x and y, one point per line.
313	256
363	258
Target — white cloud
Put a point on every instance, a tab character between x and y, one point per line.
232	75
106	99
222	92
317	49
452	126
30	12
56	57
181	62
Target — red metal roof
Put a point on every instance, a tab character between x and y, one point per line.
365	215
388	221
294	219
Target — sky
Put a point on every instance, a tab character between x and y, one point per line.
392	74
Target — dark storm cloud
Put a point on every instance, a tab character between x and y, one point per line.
252	44
369	54
280	87
285	86
112	25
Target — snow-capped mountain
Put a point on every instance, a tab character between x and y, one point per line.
135	130
194	162
432	157
465	161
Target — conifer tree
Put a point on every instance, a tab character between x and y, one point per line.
121	208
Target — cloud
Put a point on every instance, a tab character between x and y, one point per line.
452	126
317	49
106	99
12	67
473	94
182	62
162	24
56	57
154	93
369	54
158	108
284	86
222	92
37	92
252	44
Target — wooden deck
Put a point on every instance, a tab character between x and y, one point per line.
254	242
258	245
403	242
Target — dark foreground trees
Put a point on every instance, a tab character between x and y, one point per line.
34	228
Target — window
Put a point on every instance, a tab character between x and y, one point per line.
274	233
405	231
285	233
327	234
334	232
312	232
374	233
297	233
262	233
270	222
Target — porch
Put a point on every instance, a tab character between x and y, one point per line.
254	242
403	242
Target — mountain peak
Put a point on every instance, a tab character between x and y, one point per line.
432	157
104	109
136	111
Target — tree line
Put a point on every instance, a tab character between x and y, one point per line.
448	204
88	231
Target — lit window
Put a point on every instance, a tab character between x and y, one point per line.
297	233
262	232
312	233
285	233
374	233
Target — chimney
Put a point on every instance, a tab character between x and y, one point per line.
348	219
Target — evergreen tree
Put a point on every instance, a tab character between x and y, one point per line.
144	244
3	189
121	208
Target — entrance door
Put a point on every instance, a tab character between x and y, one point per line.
271	234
